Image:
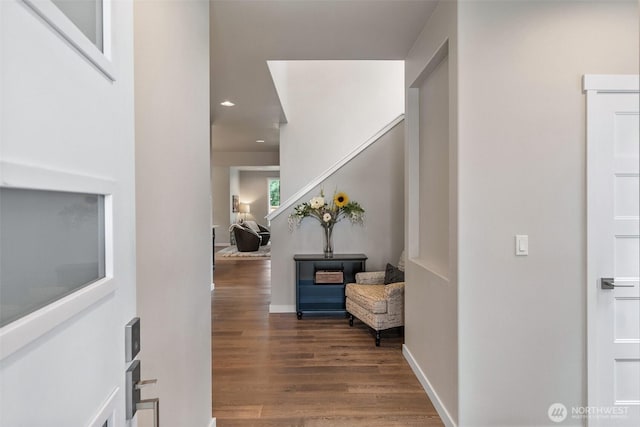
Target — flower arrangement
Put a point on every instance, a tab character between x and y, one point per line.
328	214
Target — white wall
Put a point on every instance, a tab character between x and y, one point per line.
522	171
431	290
332	107
375	180
220	203
234	189
60	113
254	186
245	158
173	206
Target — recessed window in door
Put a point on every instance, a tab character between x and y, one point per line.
87	15
274	194
52	243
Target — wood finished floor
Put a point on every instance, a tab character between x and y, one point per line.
275	370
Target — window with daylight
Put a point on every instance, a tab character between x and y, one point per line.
274	194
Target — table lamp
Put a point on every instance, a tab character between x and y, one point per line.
245	208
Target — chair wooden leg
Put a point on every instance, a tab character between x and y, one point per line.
377	338
351	320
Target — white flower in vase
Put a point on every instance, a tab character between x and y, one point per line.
317	202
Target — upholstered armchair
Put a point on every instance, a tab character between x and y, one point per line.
265	235
249	236
246	239
263	232
378	305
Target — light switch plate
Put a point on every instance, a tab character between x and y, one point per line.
522	245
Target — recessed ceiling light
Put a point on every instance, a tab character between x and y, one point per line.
227	103
259	140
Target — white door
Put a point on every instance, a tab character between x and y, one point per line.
67	147
613	251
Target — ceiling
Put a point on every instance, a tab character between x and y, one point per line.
247	33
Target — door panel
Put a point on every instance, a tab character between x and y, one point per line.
68	126
613	251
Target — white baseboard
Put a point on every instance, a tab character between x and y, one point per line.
212	423
213	286
282	308
435	399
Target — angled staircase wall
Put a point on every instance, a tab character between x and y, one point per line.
374	176
322	177
344	132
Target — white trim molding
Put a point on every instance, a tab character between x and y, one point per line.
21	332
59	22
213	422
426	385
285	308
610	83
333	169
20	175
106	413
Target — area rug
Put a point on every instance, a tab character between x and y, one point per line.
232	251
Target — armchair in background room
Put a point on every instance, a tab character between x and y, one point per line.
264	232
247	238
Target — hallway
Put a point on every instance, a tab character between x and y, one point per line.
274	370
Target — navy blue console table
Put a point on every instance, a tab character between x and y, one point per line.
320	282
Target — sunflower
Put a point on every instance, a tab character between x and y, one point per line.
328	212
340	199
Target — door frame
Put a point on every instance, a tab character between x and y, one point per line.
592	85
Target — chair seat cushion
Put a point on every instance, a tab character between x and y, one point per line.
369	297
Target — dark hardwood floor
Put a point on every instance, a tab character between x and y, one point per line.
275	370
